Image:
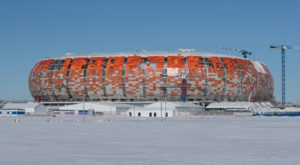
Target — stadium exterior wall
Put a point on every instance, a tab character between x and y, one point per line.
150	76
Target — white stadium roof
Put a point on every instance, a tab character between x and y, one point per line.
145	54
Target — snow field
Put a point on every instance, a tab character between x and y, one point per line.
98	140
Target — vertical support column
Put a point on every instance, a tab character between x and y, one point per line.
144	82
186	76
39	80
67	80
123	77
51	83
241	77
103	77
143	66
206	78
165	83
84	79
225	80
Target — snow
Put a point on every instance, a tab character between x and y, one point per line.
99	140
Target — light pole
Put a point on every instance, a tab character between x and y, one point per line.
83	106
161	118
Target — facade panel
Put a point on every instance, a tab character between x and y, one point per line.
113	78
215	78
197	77
34	79
59	80
46	81
154	77
134	77
233	78
95	74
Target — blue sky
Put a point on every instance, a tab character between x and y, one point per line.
33	29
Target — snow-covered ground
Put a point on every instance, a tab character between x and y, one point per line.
221	141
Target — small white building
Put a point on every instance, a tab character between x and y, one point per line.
28	107
163	109
152	110
150	113
87	108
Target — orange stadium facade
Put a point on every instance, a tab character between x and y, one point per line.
150	76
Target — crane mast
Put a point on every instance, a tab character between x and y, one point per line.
283	49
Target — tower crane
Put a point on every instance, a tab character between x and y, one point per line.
245	53
283	49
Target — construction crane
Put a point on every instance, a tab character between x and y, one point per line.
283	48
245	53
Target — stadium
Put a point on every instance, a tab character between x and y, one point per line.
150	77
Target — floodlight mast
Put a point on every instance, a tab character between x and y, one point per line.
283	48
